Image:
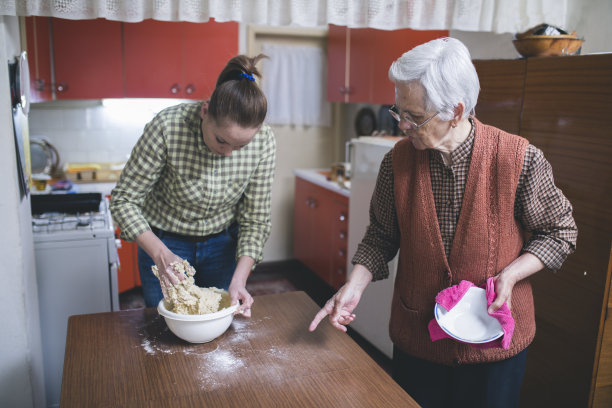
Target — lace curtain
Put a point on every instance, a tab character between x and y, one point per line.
294	81
499	16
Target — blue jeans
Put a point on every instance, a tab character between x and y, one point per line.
213	259
486	385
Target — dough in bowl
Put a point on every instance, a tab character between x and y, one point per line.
187	298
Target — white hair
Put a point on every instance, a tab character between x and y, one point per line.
445	69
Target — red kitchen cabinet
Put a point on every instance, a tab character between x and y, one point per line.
359	60
176	59
39	58
87	59
339	241
206	48
95	59
128	276
320	231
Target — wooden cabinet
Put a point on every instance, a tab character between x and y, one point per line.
320	232
193	56
500	101
562	106
94	59
601	390
87	58
359	60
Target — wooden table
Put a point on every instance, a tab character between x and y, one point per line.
131	359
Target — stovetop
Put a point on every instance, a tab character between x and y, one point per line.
87	223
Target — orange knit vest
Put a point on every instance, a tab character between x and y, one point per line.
487	239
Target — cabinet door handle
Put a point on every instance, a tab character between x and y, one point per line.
342	234
340	271
175	88
346	90
61	87
342	217
39	84
190	89
341	252
313	203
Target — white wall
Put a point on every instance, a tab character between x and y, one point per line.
21	376
591	20
94	131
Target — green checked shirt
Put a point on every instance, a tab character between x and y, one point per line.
172	181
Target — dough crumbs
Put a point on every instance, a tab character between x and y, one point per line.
187	298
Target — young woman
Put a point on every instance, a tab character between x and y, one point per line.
197	187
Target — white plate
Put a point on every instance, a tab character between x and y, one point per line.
469	321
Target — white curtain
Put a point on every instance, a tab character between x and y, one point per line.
294	81
499	16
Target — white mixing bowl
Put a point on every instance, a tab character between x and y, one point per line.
198	328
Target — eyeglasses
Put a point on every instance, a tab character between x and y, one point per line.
394	111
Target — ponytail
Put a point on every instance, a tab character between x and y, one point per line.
237	98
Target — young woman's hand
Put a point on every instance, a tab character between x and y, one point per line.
237	287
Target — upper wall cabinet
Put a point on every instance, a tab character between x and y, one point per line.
176	60
87	59
39	58
359	59
93	59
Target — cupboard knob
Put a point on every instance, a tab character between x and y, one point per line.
39	84
190	89
175	88
340	271
341	252
342	234
61	87
342	217
346	90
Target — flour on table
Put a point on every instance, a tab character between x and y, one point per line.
187	298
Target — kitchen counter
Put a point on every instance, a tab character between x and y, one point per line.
95	187
130	358
315	176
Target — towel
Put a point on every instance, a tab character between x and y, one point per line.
449	297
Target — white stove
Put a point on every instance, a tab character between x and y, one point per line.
76	271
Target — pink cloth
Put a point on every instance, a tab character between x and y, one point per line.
449	297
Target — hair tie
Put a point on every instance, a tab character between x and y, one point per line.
247	76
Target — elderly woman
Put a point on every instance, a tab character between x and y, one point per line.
455	197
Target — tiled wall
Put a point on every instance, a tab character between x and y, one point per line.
94	131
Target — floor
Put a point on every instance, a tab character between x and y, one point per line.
279	277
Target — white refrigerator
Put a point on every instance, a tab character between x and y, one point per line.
374	309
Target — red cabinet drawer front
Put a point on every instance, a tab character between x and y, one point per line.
88	58
320	230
